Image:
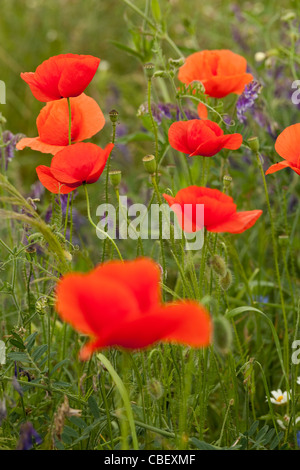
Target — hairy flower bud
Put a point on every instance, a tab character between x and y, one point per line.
150	164
226	281
155	389
113	115
253	143
218	265
149	70
115	177
222	336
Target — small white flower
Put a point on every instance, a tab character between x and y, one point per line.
279	397
285	421
259	56
298	380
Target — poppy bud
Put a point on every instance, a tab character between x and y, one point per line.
227	180
161	73
150	164
115	178
218	264
283	239
253	143
176	62
41	305
149	70
113	115
226	281
222	335
171	169
288	16
155	389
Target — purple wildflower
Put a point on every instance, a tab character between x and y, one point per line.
27	433
8	150
247	99
17	386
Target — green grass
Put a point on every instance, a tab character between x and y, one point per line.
169	396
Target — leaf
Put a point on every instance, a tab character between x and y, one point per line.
94	407
58	365
17	344
253	428
130	51
276	440
156	10
238	310
39	351
79	422
203	445
135	137
18	356
30	340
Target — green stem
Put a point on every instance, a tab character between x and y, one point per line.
124	395
153	123
95	226
275	252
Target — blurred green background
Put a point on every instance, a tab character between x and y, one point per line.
33	30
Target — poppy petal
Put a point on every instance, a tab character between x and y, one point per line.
281	166
202	111
61	76
98	304
237	223
80	162
77	74
287	144
140	276
35	143
183	322
50	182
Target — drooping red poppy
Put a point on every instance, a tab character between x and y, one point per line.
74	165
61	76
119	304
201	137
221	71
220	214
287	146
53	124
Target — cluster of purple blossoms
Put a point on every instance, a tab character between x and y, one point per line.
247	99
7	151
162	111
27	433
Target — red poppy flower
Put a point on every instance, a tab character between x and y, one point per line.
61	76
287	146
201	137
220	213
74	165
53	124
119	304
221	71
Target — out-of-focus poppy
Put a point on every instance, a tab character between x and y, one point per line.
119	304
61	76
220	214
74	165
201	137
53	124
287	146
221	71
